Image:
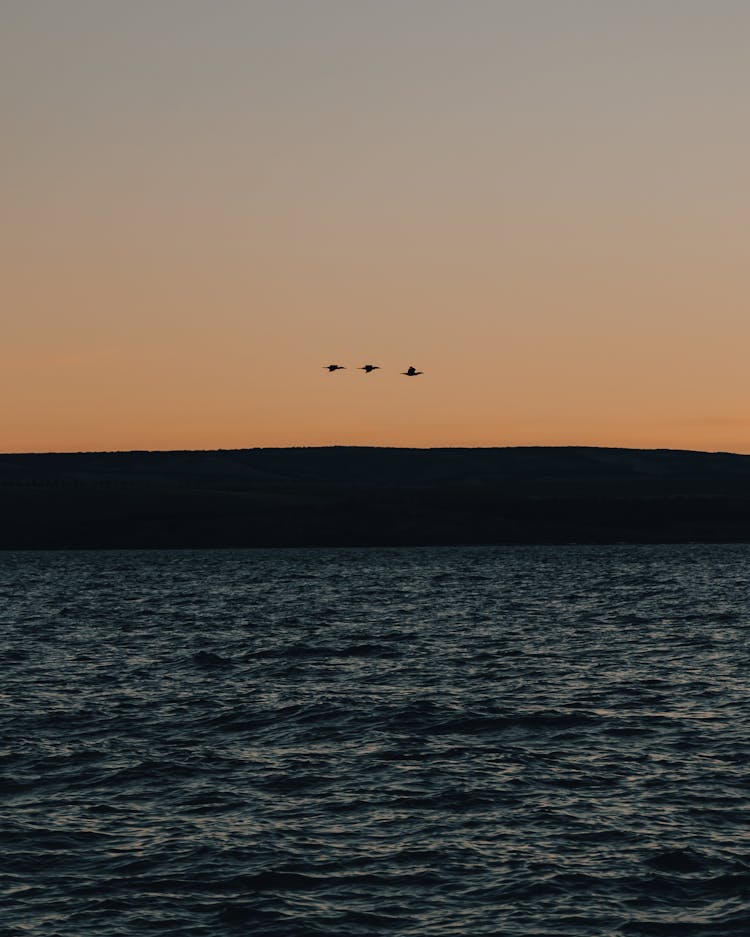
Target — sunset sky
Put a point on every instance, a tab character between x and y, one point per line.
542	204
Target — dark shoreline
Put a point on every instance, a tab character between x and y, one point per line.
360	497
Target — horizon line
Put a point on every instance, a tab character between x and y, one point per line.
384	448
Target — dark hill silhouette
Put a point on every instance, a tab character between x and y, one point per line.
360	496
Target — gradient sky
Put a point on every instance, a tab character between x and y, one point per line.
543	204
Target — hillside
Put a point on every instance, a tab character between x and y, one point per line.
361	496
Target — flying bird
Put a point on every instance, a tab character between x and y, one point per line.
369	368
412	372
334	367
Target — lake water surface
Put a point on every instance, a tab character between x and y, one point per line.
456	741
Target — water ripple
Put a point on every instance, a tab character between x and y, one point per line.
494	741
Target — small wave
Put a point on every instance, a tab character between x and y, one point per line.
244	914
210	661
427	718
325	652
677	860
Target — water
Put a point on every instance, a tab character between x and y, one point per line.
508	741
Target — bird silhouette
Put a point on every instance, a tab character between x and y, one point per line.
369	368
334	367
412	372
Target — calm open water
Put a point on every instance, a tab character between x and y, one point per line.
509	741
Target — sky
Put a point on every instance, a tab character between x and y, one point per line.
542	204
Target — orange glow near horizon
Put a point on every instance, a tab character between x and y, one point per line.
543	209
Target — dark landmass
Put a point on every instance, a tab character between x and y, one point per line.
367	496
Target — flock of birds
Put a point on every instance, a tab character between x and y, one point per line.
369	368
